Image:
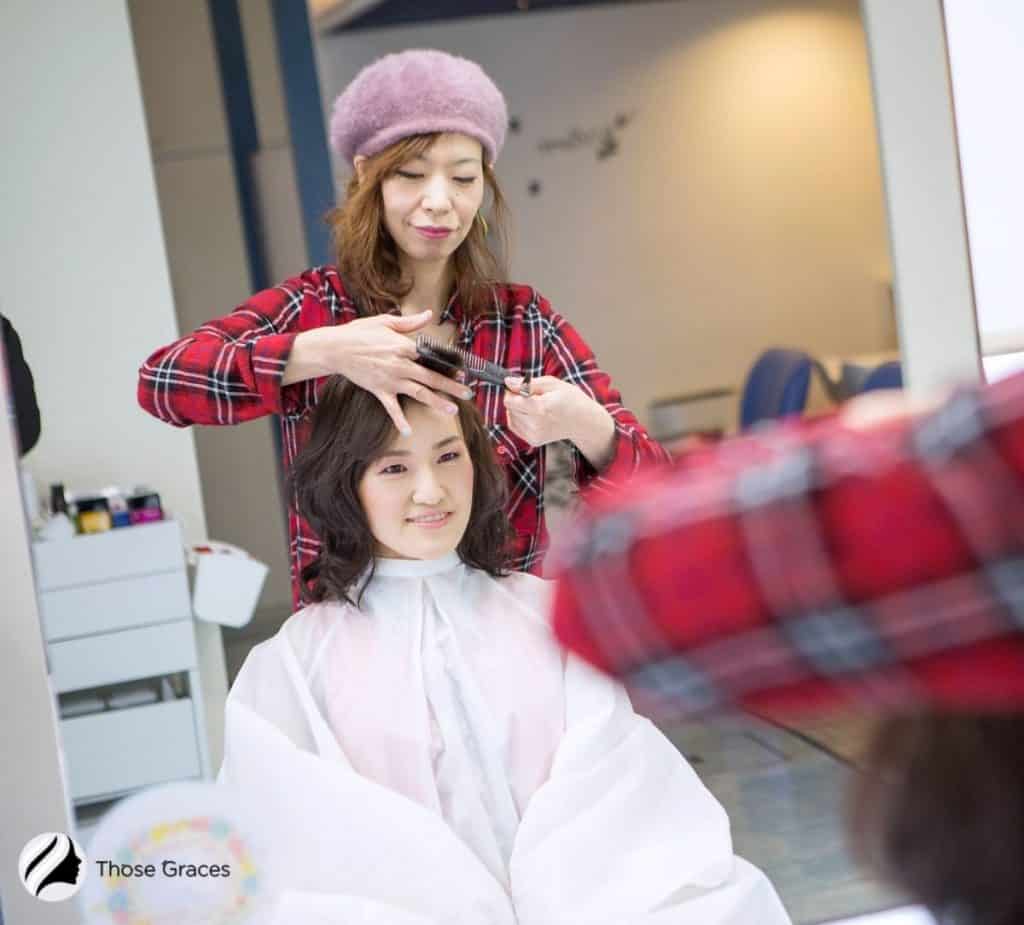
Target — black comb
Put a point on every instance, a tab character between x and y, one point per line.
437	357
443	358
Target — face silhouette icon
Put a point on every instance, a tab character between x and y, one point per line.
53	861
66	870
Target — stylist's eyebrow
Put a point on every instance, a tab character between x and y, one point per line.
456	163
440	443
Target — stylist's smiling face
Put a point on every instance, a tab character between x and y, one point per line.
430	202
417	496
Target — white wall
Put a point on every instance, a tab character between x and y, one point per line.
745	208
82	255
986	71
86	285
33	797
85	272
923	193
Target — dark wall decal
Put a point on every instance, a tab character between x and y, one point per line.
604	141
608	146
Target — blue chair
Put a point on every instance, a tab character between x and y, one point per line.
886	376
776	386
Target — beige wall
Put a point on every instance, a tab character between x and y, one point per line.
745	208
206	248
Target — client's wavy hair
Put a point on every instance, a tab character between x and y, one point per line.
351	429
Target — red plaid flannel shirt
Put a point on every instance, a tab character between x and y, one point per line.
808	565
229	370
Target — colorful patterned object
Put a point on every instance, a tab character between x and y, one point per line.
179	854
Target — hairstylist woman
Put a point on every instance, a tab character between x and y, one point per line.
422	130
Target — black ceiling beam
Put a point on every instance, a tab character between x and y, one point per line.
407	12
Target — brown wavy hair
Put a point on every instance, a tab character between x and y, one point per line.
937	810
351	430
367	256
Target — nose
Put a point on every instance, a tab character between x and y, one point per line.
437	195
428	489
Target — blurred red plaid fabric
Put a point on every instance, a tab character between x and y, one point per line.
811	564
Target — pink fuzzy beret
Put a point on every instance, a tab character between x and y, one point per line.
417	92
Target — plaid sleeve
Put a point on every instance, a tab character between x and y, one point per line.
229	370
806	565
567	356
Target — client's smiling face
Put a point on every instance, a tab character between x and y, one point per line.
419	493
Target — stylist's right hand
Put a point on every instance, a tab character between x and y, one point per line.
377	354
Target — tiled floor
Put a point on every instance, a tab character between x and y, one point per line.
784	798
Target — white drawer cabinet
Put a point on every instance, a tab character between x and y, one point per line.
116	608
113	658
114	605
120	750
110	556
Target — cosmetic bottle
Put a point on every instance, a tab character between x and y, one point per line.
93	515
144	507
58	525
120	516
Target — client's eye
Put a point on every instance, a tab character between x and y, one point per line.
393	469
409	175
450	457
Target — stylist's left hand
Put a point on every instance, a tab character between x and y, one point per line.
551	411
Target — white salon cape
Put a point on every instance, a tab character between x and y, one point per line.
434	758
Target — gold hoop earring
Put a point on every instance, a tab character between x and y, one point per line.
483	223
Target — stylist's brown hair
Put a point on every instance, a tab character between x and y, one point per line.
350	430
367	257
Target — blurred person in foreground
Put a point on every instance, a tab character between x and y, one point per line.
868	559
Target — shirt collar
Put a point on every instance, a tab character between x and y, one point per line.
415	568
